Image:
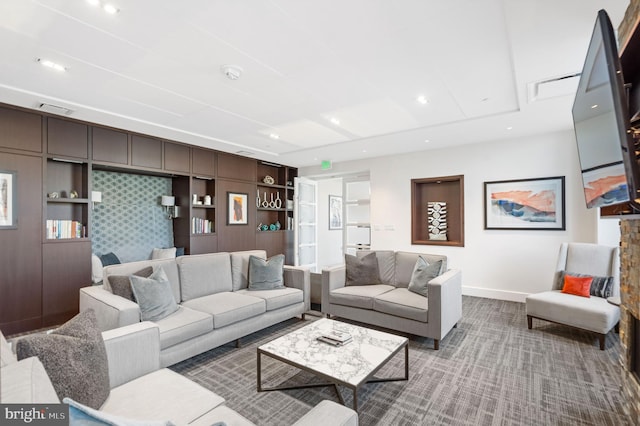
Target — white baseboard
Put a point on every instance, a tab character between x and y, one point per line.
511	296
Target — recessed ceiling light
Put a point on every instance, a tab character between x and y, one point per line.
422	100
510	127
274	136
50	64
594	106
335	121
427	141
110	9
364	150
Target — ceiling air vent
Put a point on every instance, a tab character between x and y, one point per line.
246	153
552	87
54	109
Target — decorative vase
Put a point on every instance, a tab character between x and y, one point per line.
272	227
272	203
265	203
278	226
278	201
258	201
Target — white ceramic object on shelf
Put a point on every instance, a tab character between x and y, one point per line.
272	203
265	202
278	203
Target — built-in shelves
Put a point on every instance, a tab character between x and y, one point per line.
446	189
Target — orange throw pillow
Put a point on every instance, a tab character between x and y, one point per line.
577	285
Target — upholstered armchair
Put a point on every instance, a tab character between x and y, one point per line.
591	312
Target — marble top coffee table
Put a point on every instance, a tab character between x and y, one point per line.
351	365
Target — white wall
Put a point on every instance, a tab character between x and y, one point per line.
329	242
499	264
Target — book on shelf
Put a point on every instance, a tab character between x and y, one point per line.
201	226
62	229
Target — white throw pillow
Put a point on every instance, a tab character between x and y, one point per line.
96	269
167	253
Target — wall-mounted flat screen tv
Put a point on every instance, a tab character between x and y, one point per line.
610	171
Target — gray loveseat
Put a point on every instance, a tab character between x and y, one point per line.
140	389
215	306
391	304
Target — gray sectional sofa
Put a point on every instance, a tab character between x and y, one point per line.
390	304
214	305
141	390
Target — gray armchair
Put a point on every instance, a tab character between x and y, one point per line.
588	313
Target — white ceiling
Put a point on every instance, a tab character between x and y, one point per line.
155	68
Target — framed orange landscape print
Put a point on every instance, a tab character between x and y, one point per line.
536	204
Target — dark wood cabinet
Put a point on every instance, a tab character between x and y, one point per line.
146	152
21	260
20	130
110	146
448	189
66	267
203	162
177	157
67	139
235	167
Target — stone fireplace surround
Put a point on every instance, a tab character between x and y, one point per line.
629	309
630	260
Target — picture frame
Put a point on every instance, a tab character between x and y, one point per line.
8	199
527	204
335	212
237	209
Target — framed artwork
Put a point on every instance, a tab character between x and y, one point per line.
8	200
237	208
536	204
335	212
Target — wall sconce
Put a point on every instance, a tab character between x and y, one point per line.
96	197
169	204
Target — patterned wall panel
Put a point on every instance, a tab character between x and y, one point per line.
130	221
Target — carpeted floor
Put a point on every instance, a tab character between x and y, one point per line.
491	370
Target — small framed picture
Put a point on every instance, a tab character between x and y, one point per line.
536	204
335	212
237	208
8	200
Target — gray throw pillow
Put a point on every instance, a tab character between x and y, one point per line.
266	274
362	271
423	272
154	295
121	284
74	357
600	286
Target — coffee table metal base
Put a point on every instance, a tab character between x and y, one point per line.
330	380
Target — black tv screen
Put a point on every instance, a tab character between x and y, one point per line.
601	122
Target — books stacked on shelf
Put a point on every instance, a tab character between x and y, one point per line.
201	226
336	338
60	229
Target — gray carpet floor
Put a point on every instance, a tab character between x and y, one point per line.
491	370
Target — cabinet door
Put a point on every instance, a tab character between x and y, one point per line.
66	268
203	162
21	259
110	146
67	138
236	167
20	130
176	157
146	152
